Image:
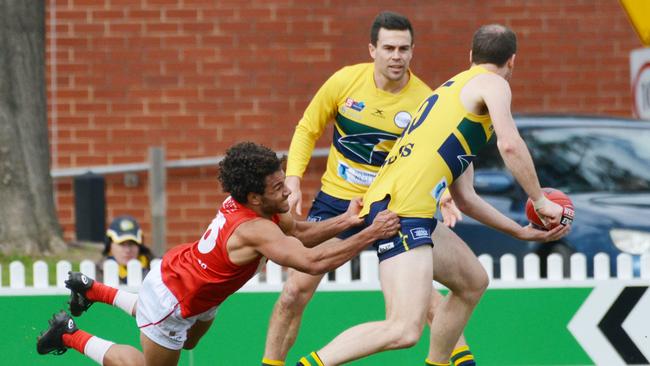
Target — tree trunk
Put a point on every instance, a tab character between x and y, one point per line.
28	222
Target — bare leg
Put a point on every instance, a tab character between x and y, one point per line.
195	333
123	355
436	300
287	313
406	283
457	268
155	354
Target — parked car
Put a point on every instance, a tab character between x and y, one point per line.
602	163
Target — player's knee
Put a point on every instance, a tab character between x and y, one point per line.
408	337
476	286
295	295
404	335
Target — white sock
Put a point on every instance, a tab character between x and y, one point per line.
96	348
126	301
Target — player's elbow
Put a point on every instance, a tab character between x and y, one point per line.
464	197
462	202
506	147
510	146
316	265
304	237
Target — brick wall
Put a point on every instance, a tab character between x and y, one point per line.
194	76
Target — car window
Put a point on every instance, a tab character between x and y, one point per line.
587	159
591	159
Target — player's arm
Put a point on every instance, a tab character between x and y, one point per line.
497	96
471	204
314	233
268	239
319	112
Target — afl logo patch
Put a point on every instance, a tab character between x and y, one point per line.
402	119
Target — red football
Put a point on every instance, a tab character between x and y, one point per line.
558	197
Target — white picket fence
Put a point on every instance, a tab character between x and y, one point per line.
272	277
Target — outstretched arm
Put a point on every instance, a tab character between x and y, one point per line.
314	233
471	204
496	93
267	239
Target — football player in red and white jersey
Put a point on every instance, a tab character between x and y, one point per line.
178	301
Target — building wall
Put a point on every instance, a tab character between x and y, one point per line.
195	76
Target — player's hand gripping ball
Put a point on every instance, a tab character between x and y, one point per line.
558	197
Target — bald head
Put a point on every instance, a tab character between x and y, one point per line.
493	44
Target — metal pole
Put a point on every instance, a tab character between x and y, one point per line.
158	199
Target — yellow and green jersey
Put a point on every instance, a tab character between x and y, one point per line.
434	149
367	121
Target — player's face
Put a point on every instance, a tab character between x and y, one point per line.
275	196
393	53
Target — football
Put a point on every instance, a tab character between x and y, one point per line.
558	197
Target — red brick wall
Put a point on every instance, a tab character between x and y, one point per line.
194	76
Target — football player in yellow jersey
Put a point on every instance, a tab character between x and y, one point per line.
370	104
434	152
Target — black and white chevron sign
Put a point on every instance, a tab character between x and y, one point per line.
613	324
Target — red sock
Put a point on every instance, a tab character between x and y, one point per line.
102	293
76	340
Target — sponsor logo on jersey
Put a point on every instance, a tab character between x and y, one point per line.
439	189
355	176
382	248
353	104
419	233
402	119
364	145
378	113
314	218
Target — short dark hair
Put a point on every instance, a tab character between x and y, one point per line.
244	169
391	21
493	44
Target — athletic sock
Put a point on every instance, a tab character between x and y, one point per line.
76	340
431	363
96	348
102	293
125	300
310	360
462	356
269	362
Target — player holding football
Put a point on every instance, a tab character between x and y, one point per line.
435	152
370	104
178	301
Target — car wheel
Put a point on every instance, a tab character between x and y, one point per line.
560	248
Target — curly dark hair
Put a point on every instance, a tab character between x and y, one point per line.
245	168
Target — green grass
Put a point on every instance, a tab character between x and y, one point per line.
75	254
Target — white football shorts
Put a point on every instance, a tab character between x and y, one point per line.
158	313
